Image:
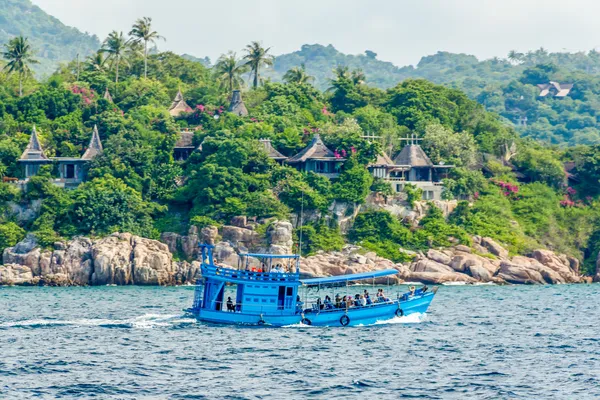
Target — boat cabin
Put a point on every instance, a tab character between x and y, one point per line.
263	284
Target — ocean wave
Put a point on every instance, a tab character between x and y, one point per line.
145	321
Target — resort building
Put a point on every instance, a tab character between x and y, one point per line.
71	170
272	151
316	157
33	156
179	105
237	105
411	166
555	89
184	147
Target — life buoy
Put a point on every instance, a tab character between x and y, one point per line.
344	320
399	312
306	321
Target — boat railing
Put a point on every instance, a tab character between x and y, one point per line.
231	273
198	294
246	308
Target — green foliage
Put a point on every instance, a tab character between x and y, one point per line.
413	194
354	183
319	237
106	205
201	221
10	234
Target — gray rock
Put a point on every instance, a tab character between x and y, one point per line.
112	260
14	274
209	234
494	248
439	257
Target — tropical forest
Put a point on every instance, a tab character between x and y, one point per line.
525	167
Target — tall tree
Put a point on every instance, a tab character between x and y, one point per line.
229	70
298	75
142	33
95	62
116	45
257	57
19	55
515	57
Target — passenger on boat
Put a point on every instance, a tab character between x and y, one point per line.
381	295
357	300
327	303
363	301
367	297
338	301
319	303
344	303
350	301
230	306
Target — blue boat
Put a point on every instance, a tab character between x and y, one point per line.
264	290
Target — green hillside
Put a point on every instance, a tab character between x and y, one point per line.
504	86
52	41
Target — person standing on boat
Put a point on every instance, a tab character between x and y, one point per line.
338	301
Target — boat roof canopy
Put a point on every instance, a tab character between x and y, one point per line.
348	278
259	255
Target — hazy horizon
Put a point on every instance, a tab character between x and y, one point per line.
398	31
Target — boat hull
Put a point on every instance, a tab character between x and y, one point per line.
353	316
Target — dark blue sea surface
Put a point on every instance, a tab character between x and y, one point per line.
476	342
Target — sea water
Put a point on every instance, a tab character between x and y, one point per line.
477	342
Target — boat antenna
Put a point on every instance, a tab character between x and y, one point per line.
301	222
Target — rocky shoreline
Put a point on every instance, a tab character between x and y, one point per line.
126	259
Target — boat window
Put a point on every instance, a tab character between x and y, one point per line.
264	300
289	291
272	300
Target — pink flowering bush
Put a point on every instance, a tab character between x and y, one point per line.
87	95
508	189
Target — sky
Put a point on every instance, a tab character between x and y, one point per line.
400	31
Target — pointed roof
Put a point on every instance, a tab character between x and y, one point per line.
383	160
413	155
185	140
179	105
316	150
237	105
107	95
34	150
272	151
95	146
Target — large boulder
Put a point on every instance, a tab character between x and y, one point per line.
151	263
112	260
520	271
494	248
467	262
70	264
14	274
240	237
439	256
185	272
26	253
209	234
279	237
172	240
426	265
566	267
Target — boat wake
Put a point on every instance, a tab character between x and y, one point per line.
146	321
415	318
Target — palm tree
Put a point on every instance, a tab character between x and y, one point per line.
298	75
19	55
96	62
115	45
229	69
515	57
256	57
142	32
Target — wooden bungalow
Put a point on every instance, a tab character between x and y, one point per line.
316	157
272	151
